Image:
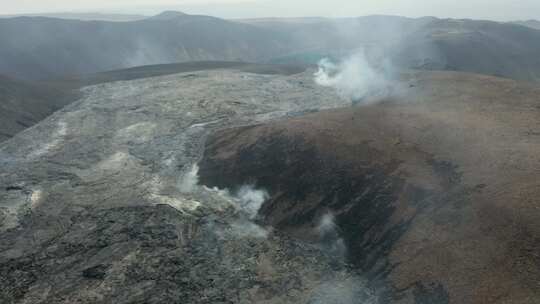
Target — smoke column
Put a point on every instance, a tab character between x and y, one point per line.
353	78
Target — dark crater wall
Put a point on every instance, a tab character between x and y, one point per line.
435	193
309	175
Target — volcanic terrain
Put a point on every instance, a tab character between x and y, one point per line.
148	191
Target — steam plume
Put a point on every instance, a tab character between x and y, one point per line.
250	199
189	180
354	78
330	237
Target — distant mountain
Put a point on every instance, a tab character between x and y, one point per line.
343	35
168	15
85	16
38	48
41	48
485	47
535	24
500	49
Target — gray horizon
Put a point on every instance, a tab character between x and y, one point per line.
497	10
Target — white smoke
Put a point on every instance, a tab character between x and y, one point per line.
353	78
248	229
343	288
248	200
251	200
189	180
330	237
327	224
146	52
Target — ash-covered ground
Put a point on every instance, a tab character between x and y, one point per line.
100	202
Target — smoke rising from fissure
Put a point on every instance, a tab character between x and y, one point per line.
189	180
251	199
329	236
354	77
247	199
349	289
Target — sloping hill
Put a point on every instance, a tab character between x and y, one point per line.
535	24
23	105
37	47
434	190
485	47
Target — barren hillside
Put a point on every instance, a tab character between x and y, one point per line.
435	190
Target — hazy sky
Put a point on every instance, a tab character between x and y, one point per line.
478	9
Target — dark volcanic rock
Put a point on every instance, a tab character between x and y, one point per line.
158	255
98	202
96	272
24	104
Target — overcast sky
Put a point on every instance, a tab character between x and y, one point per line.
477	9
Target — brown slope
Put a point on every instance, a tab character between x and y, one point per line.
435	191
